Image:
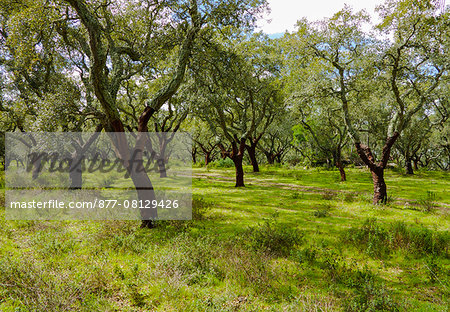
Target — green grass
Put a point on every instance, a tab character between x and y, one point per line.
291	240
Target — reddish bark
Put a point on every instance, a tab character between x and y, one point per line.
207	151
236	155
251	149
239	171
377	168
379	186
341	171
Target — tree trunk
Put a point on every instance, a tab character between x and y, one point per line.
270	158
338	164
377	169
409	168
416	164
207	158
138	174
37	167
252	154
76	174
162	168
194	155
379	186
341	170
145	193
278	158
237	160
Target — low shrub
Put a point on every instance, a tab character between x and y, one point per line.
273	237
437	273
370	296
370	236
379	240
221	163
27	285
329	195
349	197
428	204
200	207
191	260
321	213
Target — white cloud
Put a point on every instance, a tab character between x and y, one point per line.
285	13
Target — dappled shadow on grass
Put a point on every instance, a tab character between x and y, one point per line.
228	259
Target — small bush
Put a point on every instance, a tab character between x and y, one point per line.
221	163
191	260
370	296
273	237
329	195
379	241
367	293
349	197
200	210
428	203
308	255
370	236
199	164
322	212
33	287
107	181
200	207
437	274
296	195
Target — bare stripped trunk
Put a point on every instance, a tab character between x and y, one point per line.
145	193
338	163
252	154
207	158
341	170
239	171
379	186
76	168
236	155
377	168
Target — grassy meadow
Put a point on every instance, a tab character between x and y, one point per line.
291	240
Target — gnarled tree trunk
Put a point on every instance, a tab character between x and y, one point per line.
377	168
340	166
251	149
416	163
236	155
379	186
239	170
76	174
338	163
207	158
409	167
270	157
